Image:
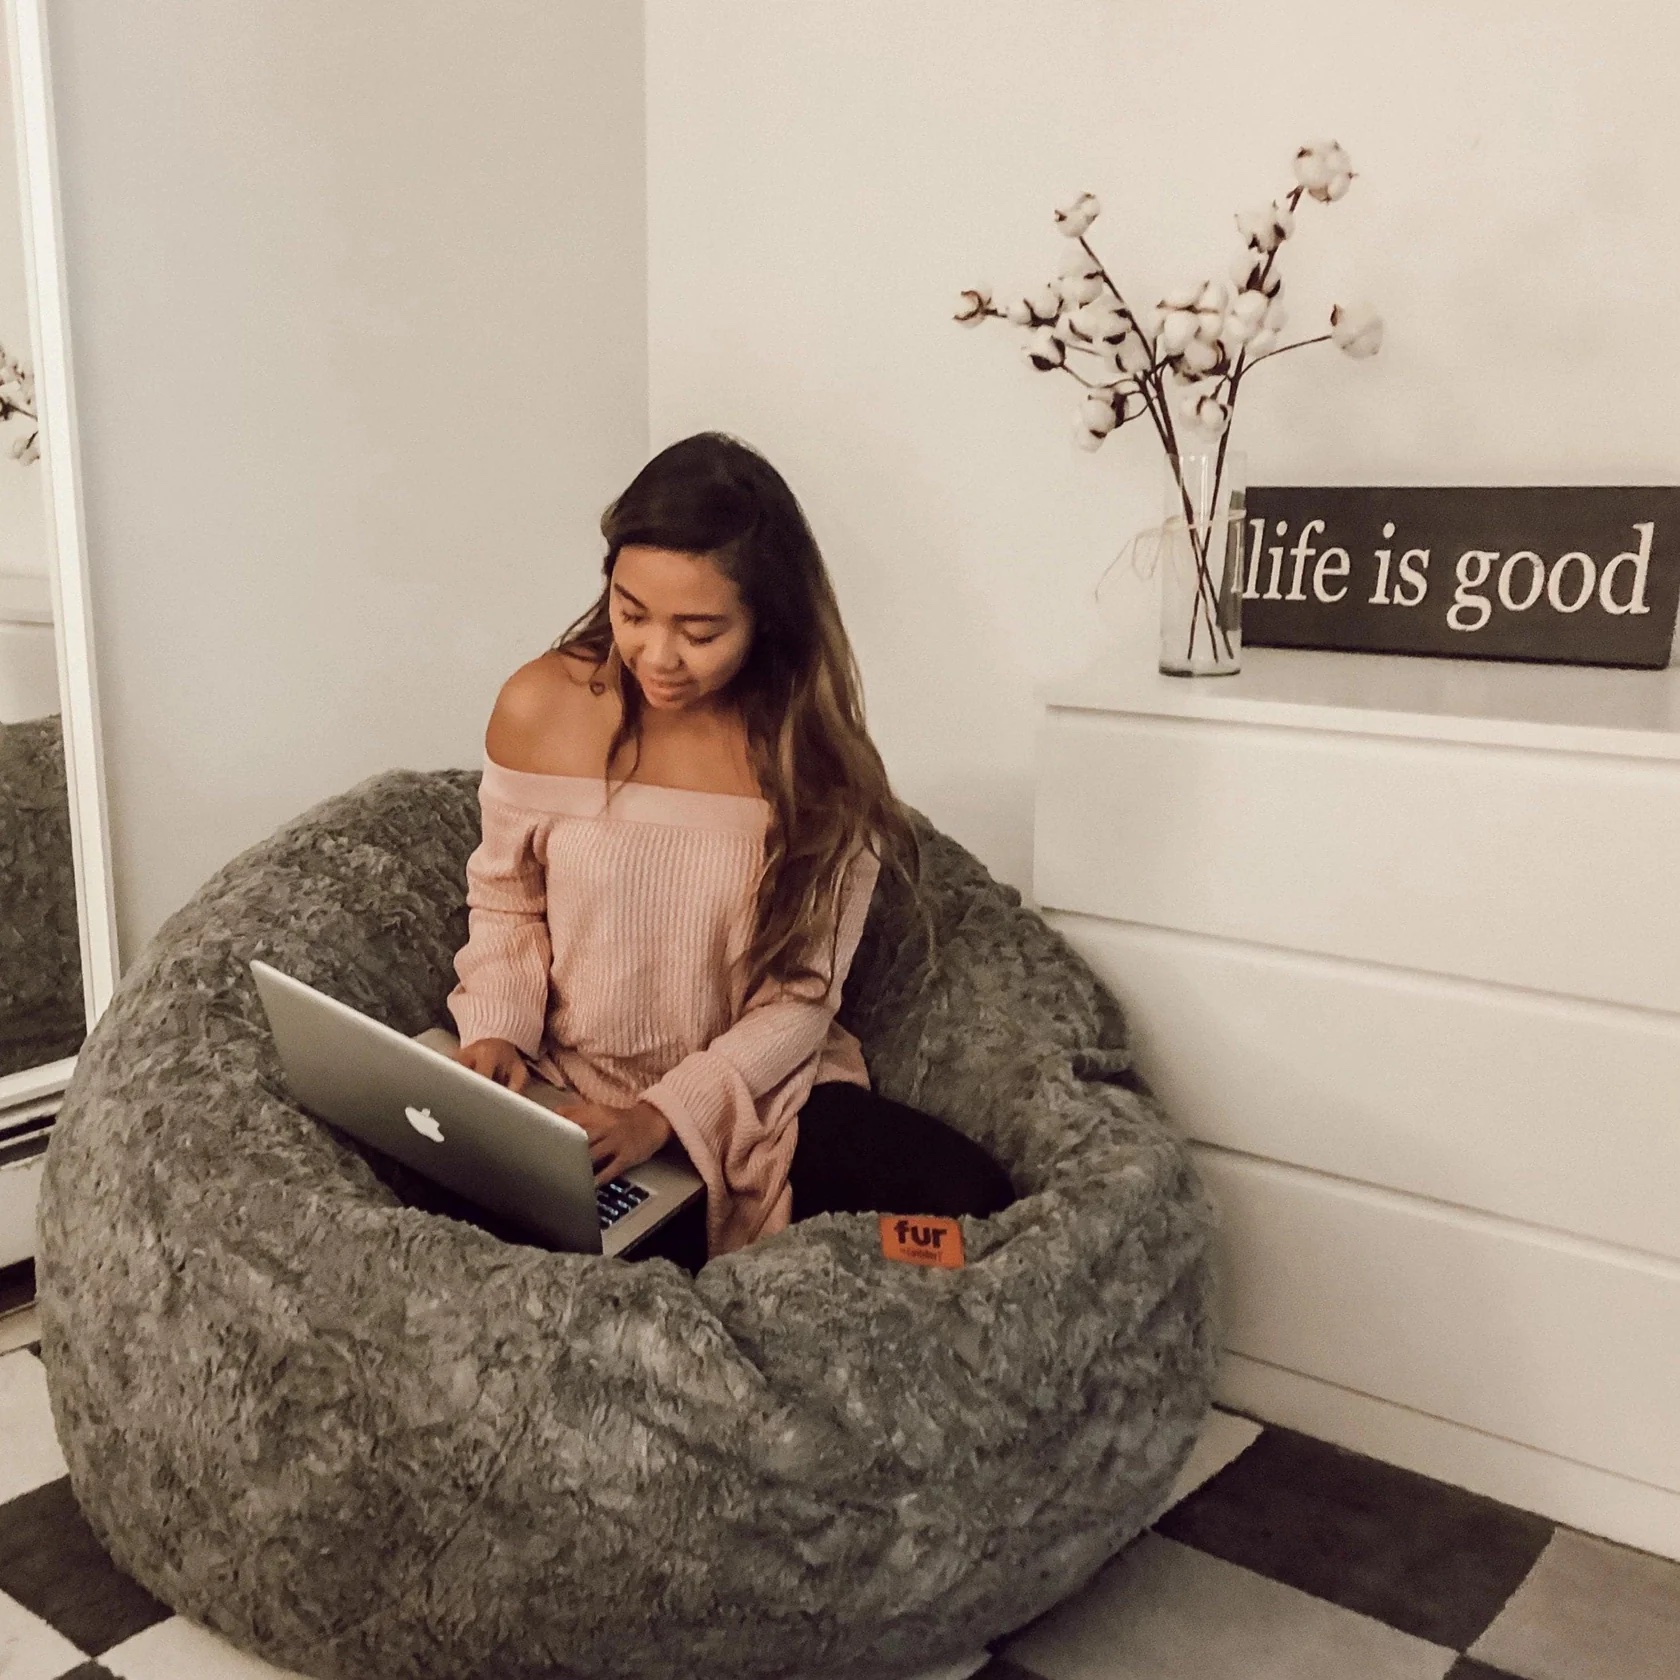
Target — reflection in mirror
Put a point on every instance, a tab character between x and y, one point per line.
42	1010
42	1015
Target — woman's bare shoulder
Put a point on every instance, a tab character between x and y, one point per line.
545	716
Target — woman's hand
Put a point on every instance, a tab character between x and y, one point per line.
619	1138
496	1058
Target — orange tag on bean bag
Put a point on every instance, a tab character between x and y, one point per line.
924	1240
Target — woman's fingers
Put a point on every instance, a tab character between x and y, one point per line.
598	1127
598	1123
606	1162
604	1128
594	1128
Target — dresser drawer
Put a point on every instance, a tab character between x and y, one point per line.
1549	870
1525	1337
1536	1108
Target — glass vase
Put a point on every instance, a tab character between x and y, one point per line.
1201	561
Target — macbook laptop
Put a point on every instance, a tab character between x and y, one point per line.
511	1153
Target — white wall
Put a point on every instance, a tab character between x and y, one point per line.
357	304
824	180
23	526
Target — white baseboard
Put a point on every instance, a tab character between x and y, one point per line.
1596	1501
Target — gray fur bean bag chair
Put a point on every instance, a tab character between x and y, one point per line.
364	1439
42	1015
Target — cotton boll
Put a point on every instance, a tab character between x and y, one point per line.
1236	332
1216	296
1097	412
1267	229
1212	416
972	306
1277	317
1341	172
1073	219
1115	327
1046	302
1019	311
1199	356
1085	437
1182	297
1312	168
1133	355
1262	341
1077	289
1043	350
1249	307
1178	327
1259	229
1076	260
1320	148
1323	169
1357	330
1206	413
1148	319
1208	323
1099	322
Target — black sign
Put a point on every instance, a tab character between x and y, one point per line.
1586	576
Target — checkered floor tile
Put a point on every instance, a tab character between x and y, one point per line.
1276	1557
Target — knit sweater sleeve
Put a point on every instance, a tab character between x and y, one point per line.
731	1103
504	966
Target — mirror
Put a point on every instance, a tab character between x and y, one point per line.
57	929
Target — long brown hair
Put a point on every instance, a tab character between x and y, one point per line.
798	691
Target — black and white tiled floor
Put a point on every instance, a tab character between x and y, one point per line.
1277	1558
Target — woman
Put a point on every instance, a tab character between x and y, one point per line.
646	941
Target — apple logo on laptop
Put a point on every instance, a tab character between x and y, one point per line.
421	1120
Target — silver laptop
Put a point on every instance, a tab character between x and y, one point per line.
511	1153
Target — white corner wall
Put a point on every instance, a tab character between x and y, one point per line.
823	181
357	296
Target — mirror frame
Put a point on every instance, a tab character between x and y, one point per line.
49	327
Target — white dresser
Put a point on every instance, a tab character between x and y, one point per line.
1399	940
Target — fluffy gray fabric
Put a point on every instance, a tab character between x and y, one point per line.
42	1016
363	1439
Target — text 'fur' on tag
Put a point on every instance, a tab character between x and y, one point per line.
923	1240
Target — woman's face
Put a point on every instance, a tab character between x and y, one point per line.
677	619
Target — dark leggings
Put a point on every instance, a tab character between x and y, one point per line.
858	1152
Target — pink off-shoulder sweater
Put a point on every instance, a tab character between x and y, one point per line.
598	941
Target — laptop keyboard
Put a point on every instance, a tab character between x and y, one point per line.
617	1199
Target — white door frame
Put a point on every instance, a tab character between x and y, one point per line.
26	27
